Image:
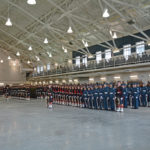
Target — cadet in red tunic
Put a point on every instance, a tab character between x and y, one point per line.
119	96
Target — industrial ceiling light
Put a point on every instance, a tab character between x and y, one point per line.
91	79
114	36
115	50
85	43
2	61
45	41
117	77
56	64
8	22
103	78
9	57
90	56
69	30
49	54
133	76
14	64
30	48
18	54
69	61
105	13
70	80
65	50
110	32
37	58
50	82
28	62
31	2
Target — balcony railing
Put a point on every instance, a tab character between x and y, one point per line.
113	62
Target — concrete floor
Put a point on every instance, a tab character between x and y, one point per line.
31	126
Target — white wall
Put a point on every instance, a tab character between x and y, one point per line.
10	71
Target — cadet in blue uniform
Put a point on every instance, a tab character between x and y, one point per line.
148	91
135	96
112	93
106	96
96	97
140	96
129	94
101	96
85	97
89	98
144	95
125	95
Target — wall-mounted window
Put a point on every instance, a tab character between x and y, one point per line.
48	67
127	51
41	69
78	61
107	54
140	47
84	60
98	56
38	69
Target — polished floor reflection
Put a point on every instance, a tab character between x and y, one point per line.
31	126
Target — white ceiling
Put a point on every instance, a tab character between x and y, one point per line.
51	19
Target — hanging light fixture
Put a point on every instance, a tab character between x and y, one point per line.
115	50
28	62
18	54
90	55
8	22
105	13
30	48
37	58
65	50
85	43
49	54
114	35
14	64
46	41
9	57
31	2
110	32
69	30
2	61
